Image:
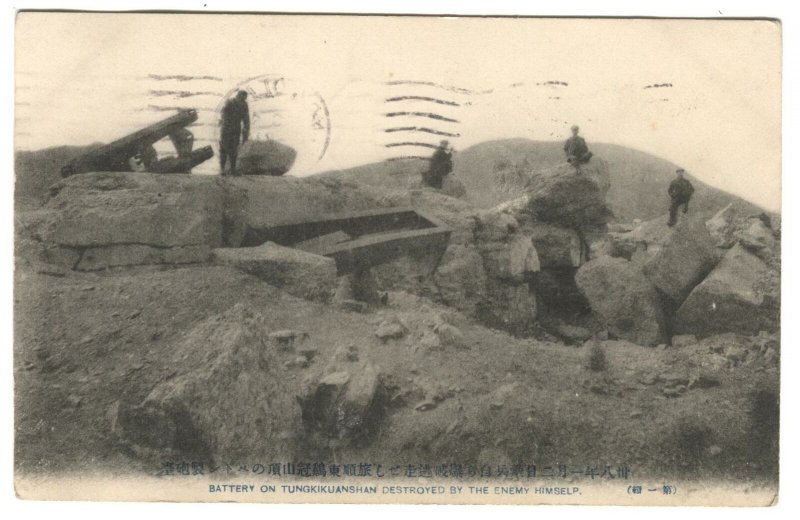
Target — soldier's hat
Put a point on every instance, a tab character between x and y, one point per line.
575	127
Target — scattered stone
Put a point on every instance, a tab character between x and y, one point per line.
391	328
346	353
714	450
134	314
502	394
301	274
352	306
740	295
430	340
648	379
683	340
424	406
298	362
308	351
703	381
573	334
449	335
672	379
635	414
74	401
770	356
287	339
623	299
673	391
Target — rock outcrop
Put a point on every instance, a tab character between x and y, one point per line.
564	197
742	294
228	391
623	299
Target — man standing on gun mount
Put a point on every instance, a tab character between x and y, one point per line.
235	123
680	192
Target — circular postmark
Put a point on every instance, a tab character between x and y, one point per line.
284	110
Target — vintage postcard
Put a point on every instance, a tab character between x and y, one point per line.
397	259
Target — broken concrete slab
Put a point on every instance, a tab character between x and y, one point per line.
301	274
103	209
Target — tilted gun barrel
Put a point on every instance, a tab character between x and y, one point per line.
116	156
182	164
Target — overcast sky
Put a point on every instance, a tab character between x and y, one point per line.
702	94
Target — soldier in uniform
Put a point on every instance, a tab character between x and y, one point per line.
234	124
576	150
441	164
680	192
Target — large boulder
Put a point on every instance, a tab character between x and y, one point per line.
512	261
570	199
461	278
228	391
623	299
302	274
344	407
684	257
556	246
265	158
742	294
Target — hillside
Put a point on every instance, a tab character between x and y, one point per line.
638	179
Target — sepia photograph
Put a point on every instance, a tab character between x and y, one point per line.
378	259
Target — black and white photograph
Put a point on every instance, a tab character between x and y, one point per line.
340	258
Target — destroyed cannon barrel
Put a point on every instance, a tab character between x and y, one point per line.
115	156
182	164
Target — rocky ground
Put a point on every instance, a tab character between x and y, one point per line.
546	333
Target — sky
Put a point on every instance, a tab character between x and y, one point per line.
705	95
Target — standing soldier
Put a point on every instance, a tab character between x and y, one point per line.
441	164
680	192
576	150
235	123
